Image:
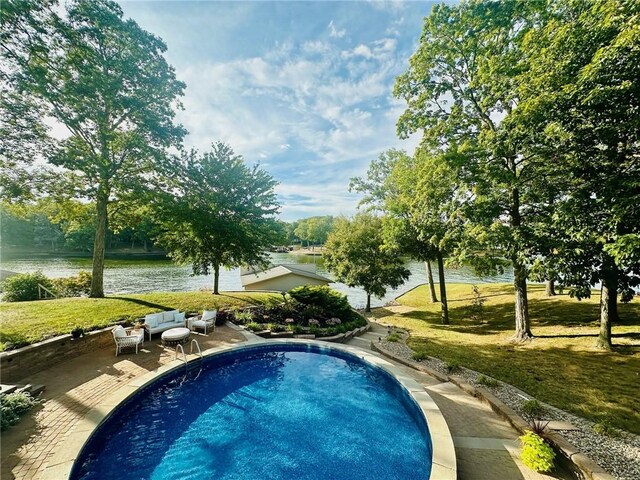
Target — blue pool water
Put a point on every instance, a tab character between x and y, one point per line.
267	412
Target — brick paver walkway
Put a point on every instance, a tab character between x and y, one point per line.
73	388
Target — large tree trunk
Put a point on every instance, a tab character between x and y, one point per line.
444	307
432	287
97	273
608	303
523	328
216	278
368	307
550	288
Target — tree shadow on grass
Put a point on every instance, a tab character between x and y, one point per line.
246	299
142	302
588	383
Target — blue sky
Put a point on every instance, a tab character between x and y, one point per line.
303	88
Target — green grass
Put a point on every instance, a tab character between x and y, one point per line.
561	366
24	323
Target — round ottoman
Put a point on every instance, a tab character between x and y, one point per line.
175	336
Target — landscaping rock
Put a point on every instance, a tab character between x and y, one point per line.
619	456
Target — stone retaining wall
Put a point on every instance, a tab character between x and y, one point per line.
22	362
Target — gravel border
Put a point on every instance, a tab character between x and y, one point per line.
618	455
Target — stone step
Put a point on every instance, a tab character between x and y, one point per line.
8	388
33	390
360	342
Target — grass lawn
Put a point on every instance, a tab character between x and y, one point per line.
24	323
560	366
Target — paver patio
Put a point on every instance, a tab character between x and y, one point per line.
486	446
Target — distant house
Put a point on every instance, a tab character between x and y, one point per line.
281	278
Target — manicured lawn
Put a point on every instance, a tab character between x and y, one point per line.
560	366
24	323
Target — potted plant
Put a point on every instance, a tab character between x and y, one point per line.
77	332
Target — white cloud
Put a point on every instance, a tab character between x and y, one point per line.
379	50
335	32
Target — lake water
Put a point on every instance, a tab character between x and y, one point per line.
137	276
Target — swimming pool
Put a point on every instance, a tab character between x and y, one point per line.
275	411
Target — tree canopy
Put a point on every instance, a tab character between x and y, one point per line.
355	252
106	80
219	212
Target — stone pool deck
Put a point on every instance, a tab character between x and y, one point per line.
486	446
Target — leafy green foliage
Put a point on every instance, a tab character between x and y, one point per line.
581	93
24	287
12	406
106	80
242	316
393	337
536	453
452	366
532	409
488	381
355	252
76	286
328	302
254	326
419	356
222	212
314	230
476	309
604	427
461	92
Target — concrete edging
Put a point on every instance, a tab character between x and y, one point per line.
578	462
443	465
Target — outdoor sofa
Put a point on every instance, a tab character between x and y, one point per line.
159	322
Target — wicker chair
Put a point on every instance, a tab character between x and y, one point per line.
127	339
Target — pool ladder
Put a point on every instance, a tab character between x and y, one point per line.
184	355
180	348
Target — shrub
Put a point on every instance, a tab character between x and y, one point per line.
488	381
77	286
452	367
604	427
254	327
536	453
393	337
476	309
12	406
419	356
24	287
331	303
532	408
242	317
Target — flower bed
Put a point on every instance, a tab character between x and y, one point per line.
313	311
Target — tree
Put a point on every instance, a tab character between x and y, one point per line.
106	80
419	197
222	212
461	93
583	91
23	135
314	230
381	195
356	254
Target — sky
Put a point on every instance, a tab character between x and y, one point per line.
302	88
